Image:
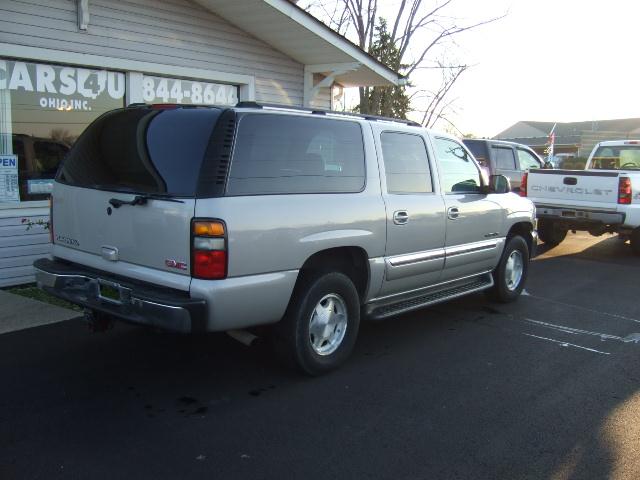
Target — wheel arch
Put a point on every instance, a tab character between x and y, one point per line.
350	260
523	229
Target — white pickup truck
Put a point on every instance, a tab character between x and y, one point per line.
605	197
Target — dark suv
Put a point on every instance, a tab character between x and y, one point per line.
505	158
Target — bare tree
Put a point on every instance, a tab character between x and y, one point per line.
418	32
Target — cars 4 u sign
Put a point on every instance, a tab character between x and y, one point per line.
60	88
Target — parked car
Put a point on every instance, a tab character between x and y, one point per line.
212	219
605	197
505	158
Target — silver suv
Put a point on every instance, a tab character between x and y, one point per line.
214	219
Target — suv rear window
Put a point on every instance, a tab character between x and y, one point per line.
281	154
142	151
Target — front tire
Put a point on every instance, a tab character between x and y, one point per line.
511	273
320	327
550	232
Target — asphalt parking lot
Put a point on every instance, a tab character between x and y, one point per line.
548	387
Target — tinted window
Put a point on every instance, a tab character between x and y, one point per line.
479	150
505	160
292	154
527	160
459	173
406	163
142	150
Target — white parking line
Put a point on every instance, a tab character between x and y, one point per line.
614	315
566	344
631	338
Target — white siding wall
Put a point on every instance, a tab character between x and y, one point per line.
169	32
20	246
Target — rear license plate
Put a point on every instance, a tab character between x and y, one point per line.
110	293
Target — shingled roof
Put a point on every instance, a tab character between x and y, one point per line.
528	129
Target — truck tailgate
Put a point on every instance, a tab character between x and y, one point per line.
597	189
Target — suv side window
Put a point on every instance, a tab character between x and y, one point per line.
527	160
406	163
505	159
459	172
286	154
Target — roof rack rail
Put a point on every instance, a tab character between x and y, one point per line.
318	111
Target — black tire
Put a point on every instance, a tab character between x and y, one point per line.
635	241
293	334
550	232
503	290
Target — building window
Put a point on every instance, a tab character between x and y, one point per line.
43	110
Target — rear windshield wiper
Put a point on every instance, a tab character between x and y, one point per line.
142	200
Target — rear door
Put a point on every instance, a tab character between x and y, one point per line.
414	254
149	155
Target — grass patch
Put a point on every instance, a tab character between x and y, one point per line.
33	292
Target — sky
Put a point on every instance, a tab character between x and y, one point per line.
546	60
562	60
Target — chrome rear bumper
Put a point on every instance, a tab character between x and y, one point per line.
576	214
136	303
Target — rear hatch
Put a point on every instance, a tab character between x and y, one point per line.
578	188
126	191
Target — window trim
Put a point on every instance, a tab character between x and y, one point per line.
429	163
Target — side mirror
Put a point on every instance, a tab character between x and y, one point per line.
499	184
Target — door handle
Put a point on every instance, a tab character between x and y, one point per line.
453	213
400	217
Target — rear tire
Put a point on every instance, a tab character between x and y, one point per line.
510	275
635	241
319	329
550	232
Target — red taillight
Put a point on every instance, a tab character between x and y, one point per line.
208	249
523	184
209	264
51	219
624	191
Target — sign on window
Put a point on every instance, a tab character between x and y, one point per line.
61	88
9	191
187	92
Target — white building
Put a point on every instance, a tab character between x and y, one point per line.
64	62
